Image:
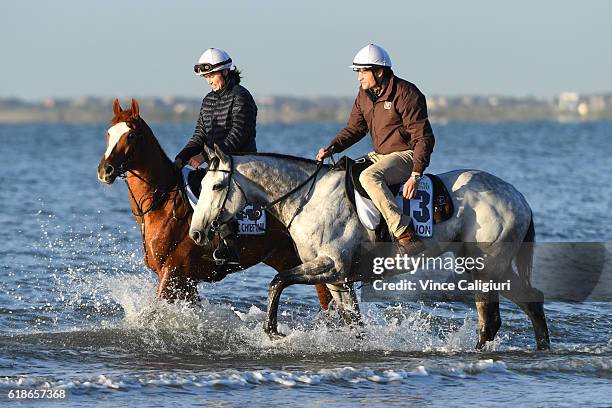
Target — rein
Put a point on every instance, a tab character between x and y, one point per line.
216	224
302	184
155	203
157	197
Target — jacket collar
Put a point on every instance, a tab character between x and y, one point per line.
387	93
229	84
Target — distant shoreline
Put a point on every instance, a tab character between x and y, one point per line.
568	106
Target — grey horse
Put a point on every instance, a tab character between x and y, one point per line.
328	234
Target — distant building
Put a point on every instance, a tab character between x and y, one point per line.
49	103
597	103
180	108
568	102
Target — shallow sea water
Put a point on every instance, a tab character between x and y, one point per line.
78	308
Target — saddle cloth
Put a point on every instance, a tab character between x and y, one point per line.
432	204
251	220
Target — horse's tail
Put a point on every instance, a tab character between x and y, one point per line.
524	257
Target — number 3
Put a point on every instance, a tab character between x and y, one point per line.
423	197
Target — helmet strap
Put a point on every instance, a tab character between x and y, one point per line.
376	79
379	81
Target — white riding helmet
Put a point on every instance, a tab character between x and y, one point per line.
371	56
213	59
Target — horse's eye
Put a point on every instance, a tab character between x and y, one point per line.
131	137
217	187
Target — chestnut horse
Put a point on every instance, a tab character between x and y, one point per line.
164	218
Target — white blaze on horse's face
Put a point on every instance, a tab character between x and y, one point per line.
215	187
114	135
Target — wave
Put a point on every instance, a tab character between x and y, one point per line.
339	376
252	378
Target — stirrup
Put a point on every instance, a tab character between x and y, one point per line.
223	256
218	257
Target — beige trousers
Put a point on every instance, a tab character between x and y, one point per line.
388	169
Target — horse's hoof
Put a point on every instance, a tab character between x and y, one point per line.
275	335
360	334
543	346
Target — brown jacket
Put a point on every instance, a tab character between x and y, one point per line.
397	121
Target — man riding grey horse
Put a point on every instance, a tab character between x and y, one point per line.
394	111
492	217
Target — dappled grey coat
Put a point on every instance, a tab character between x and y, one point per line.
227	118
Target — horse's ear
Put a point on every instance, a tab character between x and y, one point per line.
135	110
222	156
210	153
214	163
116	107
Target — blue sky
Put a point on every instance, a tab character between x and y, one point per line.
144	48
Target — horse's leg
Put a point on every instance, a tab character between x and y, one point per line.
319	270
163	290
487	305
531	301
324	295
283	258
489	320
535	311
346	300
173	285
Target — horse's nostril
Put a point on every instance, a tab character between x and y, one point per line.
195	235
109	169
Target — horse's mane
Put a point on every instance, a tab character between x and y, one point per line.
279	156
126	116
148	129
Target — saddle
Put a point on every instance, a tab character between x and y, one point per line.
432	205
193	180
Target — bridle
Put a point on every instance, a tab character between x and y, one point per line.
137	136
217	224
158	196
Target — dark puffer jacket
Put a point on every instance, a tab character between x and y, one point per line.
227	118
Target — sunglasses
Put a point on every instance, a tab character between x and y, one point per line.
202	68
206	67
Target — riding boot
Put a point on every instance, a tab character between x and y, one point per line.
409	243
227	252
232	250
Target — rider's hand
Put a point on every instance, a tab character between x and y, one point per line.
178	163
196	160
410	189
322	154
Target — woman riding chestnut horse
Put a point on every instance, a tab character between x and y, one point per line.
154	187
